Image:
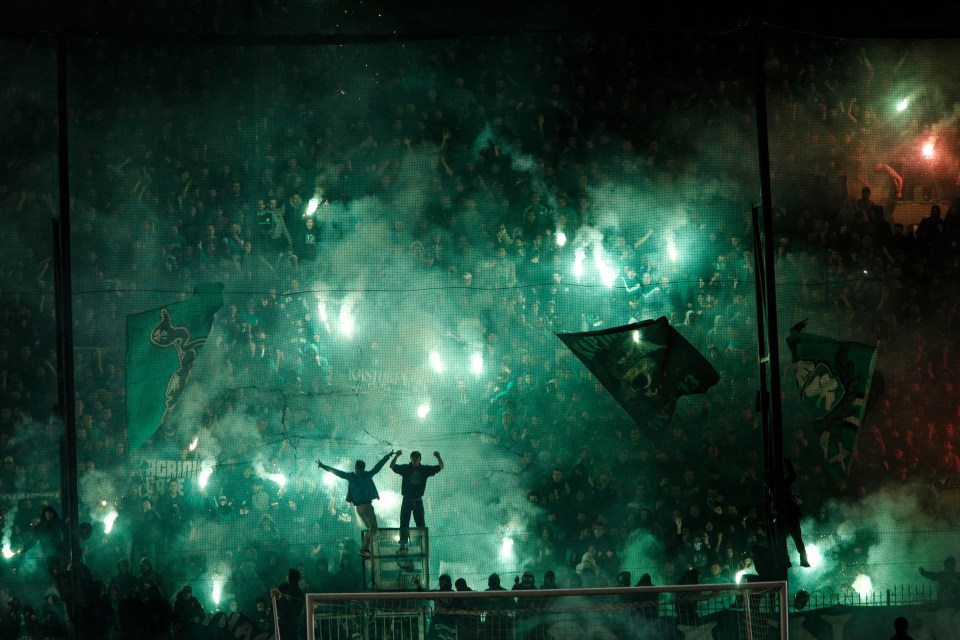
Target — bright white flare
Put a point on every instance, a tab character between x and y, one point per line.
578	257
863	585
422	411
193	445
205	476
607	273
436	362
322	314
561	238
346	321
609	276
506	548
279	478
476	363
672	250
388	500
109	520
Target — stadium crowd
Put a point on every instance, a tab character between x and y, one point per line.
474	155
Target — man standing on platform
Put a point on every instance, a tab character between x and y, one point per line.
412	487
361	492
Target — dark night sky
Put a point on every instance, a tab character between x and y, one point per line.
431	16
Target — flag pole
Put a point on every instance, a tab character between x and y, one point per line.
69	487
769	346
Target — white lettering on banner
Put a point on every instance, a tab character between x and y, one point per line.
173	468
16	496
374	380
159	472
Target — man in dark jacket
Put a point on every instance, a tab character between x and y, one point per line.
412	488
361	492
291	602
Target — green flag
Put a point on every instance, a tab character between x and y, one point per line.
162	347
834	378
646	367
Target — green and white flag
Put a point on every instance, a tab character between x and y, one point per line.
162	346
834	379
646	366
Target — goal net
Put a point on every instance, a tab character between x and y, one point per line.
749	611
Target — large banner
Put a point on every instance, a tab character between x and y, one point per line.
162	346
646	366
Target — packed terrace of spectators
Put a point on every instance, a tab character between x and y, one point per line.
461	162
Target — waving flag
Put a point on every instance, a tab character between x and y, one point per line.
646	366
162	347
834	379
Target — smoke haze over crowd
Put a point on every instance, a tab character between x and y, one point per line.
418	321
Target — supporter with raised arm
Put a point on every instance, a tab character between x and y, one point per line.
361	492
412	487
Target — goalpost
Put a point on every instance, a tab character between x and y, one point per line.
748	611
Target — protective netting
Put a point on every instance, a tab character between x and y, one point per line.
402	228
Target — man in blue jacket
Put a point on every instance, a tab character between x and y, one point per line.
361	492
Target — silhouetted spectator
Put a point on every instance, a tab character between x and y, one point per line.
291	601
901	626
